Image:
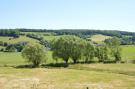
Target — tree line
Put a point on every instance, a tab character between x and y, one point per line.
17	47
9	32
76	49
82	32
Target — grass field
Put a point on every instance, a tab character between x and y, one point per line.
99	38
15	59
11	59
79	76
128	52
62	78
39	33
46	35
126	69
16	40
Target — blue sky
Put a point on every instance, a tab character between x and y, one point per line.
75	14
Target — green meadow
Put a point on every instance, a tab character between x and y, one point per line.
78	76
12	40
128	52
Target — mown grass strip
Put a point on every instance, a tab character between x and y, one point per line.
78	67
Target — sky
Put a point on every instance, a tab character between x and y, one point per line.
68	14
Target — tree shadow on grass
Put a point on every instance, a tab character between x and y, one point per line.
63	65
133	61
53	65
50	65
56	65
24	66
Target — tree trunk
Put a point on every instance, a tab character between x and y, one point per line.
66	61
36	64
86	60
74	61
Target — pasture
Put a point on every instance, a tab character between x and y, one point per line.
12	40
128	52
62	78
99	38
46	35
79	76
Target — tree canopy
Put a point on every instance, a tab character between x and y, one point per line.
34	53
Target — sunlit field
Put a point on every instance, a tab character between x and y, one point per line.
12	40
15	72
79	76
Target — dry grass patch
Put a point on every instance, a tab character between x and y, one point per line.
62	78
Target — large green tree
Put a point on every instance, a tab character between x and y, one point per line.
68	47
89	52
34	53
77	46
102	53
114	45
61	48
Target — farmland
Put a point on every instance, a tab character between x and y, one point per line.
79	76
67	44
99	38
41	78
12	40
16	58
15	72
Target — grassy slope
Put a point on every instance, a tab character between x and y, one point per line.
94	76
16	40
128	52
99	38
46	35
39	33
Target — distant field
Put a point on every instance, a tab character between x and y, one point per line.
16	40
46	35
128	52
40	33
99	38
